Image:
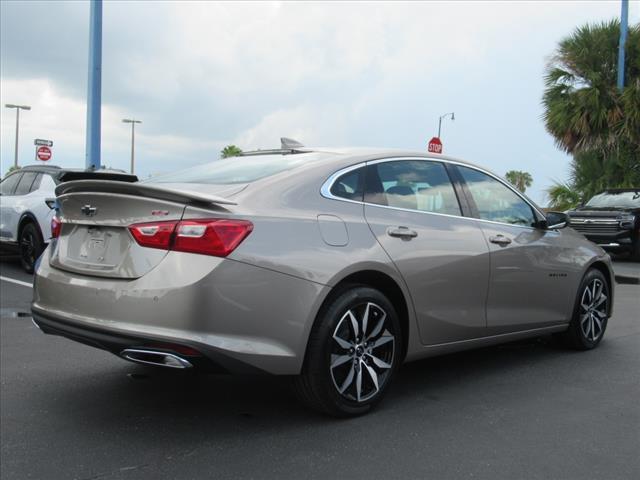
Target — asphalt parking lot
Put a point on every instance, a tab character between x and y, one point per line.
527	410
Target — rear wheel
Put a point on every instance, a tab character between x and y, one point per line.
31	245
590	313
354	350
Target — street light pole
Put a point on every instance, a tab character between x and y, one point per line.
133	137
18	108
624	20
453	117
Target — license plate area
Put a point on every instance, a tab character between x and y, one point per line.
97	247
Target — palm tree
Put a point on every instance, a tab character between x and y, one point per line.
563	197
584	110
230	151
587	114
520	180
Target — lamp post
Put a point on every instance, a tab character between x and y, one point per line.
18	108
133	137
624	21
453	117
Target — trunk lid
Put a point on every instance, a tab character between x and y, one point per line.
95	239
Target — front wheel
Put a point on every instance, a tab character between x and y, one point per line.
354	349
590	313
31	246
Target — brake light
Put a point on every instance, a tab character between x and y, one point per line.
154	235
56	226
217	237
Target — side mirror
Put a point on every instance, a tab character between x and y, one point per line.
557	220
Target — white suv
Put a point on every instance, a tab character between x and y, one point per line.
27	206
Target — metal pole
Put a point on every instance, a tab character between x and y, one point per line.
15	158
439	126
94	93
133	136
624	20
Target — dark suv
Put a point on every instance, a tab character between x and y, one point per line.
612	220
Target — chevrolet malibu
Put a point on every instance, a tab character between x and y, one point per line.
332	266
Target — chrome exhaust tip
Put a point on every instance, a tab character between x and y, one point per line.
152	357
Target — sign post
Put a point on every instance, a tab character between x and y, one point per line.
435	145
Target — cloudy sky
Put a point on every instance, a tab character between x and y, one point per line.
201	75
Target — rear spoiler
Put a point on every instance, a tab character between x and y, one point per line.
70	176
140	190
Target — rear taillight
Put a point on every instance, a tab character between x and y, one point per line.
217	237
56	226
154	235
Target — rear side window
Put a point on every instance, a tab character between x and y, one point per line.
349	185
495	201
412	184
9	183
24	186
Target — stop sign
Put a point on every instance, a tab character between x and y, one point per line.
435	145
43	153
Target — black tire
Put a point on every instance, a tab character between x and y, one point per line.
377	353
589	321
31	246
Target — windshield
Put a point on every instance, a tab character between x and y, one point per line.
630	199
236	169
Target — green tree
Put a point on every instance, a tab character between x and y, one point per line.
520	180
230	151
563	197
586	113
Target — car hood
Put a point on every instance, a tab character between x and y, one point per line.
591	212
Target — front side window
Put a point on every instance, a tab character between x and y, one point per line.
412	184
495	201
349	185
24	186
9	183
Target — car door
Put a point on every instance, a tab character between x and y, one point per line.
413	210
531	278
8	220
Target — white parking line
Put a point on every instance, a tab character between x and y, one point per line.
17	282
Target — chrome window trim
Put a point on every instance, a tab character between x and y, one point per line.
325	189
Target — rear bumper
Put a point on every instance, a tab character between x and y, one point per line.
242	318
116	342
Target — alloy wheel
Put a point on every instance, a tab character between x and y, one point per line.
363	350
593	310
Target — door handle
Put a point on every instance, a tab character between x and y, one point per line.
500	240
402	232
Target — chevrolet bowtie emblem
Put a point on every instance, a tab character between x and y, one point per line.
88	210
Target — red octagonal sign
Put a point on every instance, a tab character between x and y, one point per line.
43	153
435	145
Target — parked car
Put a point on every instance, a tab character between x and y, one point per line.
612	220
27	203
333	266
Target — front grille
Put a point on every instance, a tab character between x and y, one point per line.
595	225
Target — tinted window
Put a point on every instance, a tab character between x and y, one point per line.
238	169
24	186
495	201
349	185
9	183
412	184
621	199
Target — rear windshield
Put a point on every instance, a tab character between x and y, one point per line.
616	199
236	169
